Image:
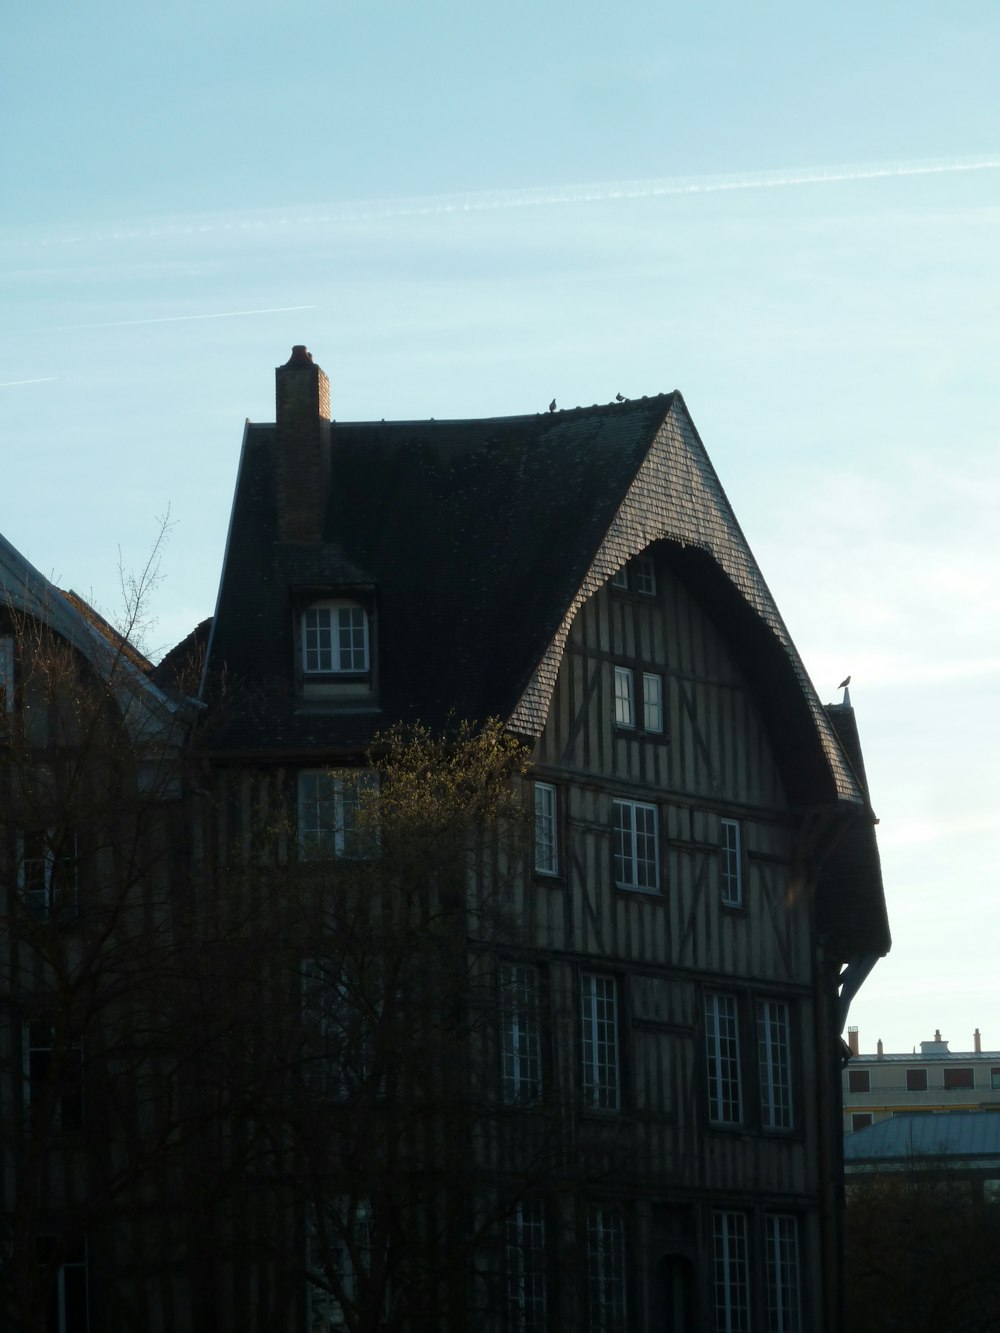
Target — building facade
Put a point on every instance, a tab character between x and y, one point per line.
878	1086
654	1137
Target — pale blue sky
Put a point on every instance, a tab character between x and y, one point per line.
791	216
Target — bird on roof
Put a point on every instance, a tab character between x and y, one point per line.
844	683
620	398
552	405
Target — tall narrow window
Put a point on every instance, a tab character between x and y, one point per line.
48	873
599	1042
607	1303
6	673
53	1076
645	576
526	1268
337	815
636	859
652	702
722	1052
68	1300
732	1283
334	639
732	864
520	1043
774	1064
624	697
784	1305
546	835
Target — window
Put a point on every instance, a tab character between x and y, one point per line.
599	1042
337	815
334	638
526	1268
916	1080
6	673
731	1276
784	1307
68	1306
48	873
732	864
53	1076
722	1050
619	579
861	1120
546	830
636	863
652	702
959	1078
995	1077
339	1244
624	697
859	1080
606	1303
645	576
774	1064
520	1043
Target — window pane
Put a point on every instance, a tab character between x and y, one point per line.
732	1288
775	1064
652	702
732	864
599	1041
959	1078
606	1270
352	639
526	1268
858	1080
337	816
916	1080
722	1049
783	1303
634	843
619	579
624	700
546	851
317	639
520	1041
645	576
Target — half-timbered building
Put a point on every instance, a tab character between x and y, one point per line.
702	895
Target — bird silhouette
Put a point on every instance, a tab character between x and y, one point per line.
620	398
844	683
552	405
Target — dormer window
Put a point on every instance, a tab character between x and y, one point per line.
334	639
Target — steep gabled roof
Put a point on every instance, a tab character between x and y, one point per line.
482	538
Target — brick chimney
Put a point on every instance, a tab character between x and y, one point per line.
302	456
878	1048
977	1039
853	1041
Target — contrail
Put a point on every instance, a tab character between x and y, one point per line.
170	319
44	379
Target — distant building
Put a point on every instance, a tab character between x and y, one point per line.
880	1086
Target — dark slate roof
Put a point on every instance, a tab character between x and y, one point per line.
850	906
482	539
957	1136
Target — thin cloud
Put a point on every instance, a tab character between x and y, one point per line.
169	319
43	379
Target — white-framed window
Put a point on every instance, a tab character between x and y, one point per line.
722	1053
652	701
69	1304
607	1301
339	1249
774	1061
731	862
645	576
619	579
600	1075
624	697
334	638
337	815
636	856
784	1302
546	829
6	673
527	1294
731	1274
520	1033
53	1075
48	873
